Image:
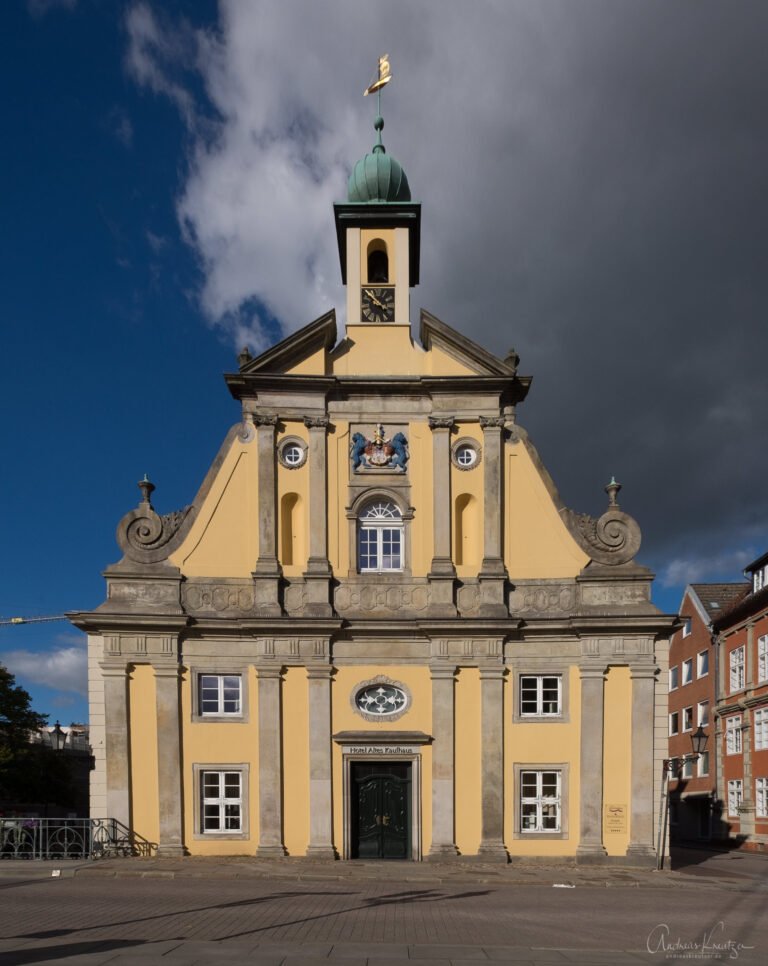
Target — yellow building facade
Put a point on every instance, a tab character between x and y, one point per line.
377	632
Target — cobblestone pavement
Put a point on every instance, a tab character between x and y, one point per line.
198	918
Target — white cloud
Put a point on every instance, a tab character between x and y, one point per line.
727	566
63	669
156	242
590	196
123	129
154	53
39	8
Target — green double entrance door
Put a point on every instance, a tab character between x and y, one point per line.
381	810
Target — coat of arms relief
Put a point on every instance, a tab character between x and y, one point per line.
380	452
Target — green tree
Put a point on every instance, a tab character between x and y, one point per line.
29	772
17	719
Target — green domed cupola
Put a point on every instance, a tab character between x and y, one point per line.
378	229
378	178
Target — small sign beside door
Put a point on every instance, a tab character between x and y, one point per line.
615	818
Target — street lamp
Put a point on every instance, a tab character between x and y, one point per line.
698	742
58	737
698	745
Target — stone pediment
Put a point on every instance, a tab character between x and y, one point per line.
295	349
436	334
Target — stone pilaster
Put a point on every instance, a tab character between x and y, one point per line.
169	787
492	572
443	763
492	846
318	573
270	763
590	847
750	664
267	573
747	809
641	839
320	767
442	571
117	741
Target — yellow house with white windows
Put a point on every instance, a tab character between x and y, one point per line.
377	632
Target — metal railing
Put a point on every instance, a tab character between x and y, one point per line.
69	838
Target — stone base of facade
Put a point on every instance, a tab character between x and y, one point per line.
321	852
271	852
492	852
442	853
591	855
171	852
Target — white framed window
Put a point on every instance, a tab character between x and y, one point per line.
761	729
735	795
703	764
762	658
221	802
761	797
220	695
736	664
686	626
733	735
687	771
674	722
541	695
292	452
702	714
380	538
540	801
758	580
465	453
466	456
674	678
688	719
702	664
688	671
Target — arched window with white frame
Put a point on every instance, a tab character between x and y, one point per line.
380	538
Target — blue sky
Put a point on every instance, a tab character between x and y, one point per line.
100	330
594	193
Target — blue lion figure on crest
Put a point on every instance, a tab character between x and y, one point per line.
399	444
359	442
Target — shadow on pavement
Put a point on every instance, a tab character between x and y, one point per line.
23	957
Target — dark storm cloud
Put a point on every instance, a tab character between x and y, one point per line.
593	183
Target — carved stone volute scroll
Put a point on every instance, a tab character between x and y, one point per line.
146	537
614	538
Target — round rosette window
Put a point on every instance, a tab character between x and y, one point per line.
465	453
292	452
381	700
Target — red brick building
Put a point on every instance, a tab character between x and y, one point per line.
742	711
694	806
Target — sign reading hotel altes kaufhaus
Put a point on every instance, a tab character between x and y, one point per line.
381	750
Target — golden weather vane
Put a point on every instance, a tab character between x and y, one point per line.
384	76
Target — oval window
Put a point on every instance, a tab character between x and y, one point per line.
381	699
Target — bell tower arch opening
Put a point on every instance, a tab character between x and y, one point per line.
378	262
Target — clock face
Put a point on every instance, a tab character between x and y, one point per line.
378	304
